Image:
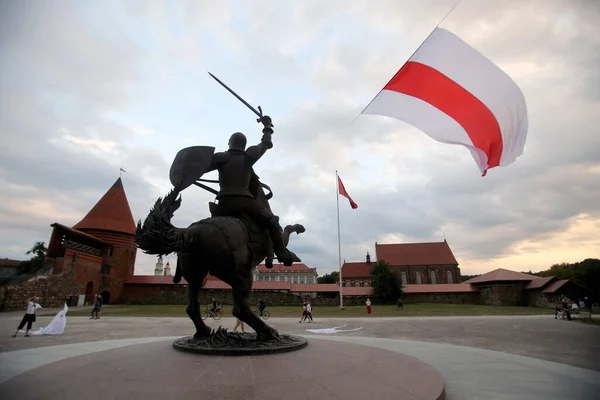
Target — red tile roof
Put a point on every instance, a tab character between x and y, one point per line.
554	286
111	213
440	288
153	280
539	283
502	275
279	268
316	287
406	254
356	270
304	288
7	262
76	232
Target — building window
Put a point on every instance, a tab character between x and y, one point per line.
348	284
366	284
110	251
357	284
449	276
404	280
418	276
432	277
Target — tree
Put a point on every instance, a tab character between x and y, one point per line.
387	287
39	249
585	273
333	277
37	261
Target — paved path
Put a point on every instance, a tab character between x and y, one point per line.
542	337
469	373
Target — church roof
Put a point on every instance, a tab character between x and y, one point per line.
111	213
407	254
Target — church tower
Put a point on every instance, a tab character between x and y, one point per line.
158	270
111	221
167	269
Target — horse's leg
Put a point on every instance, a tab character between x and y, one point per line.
241	286
194	275
193	311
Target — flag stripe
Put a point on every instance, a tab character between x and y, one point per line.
425	83
454	58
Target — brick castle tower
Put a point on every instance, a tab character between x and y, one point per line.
99	251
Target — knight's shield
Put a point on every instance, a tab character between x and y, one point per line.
189	165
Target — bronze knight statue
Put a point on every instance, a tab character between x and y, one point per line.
239	235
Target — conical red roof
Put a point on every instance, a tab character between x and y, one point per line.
111	213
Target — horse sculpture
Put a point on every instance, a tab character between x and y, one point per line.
226	247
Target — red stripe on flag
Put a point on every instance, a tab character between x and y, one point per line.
342	191
430	85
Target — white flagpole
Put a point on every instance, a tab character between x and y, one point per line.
337	198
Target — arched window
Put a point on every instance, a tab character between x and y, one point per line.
357	284
432	277
404	280
348	284
366	284
418	275
449	276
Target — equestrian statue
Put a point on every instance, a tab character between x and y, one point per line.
241	232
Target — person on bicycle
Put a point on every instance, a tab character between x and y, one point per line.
261	307
214	306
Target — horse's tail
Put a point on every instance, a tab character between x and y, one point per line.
177	276
158	235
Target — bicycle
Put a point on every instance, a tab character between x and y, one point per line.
265	314
216	315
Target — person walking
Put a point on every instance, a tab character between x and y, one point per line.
399	305
29	317
304	312
368	305
309	311
239	324
97	307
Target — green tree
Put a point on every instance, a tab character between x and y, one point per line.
333	277
585	273
387	287
37	261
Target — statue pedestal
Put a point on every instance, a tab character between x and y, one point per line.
223	343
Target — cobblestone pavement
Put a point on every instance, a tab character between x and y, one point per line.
542	337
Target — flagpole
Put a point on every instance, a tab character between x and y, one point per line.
337	198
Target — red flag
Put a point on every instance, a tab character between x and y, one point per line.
342	191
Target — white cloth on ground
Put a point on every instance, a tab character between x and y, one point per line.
333	330
56	326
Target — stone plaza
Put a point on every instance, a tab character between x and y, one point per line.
500	357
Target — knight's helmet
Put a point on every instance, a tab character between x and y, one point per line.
237	141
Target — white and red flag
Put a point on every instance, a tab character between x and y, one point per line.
342	191
455	95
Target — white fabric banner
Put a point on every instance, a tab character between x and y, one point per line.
333	330
56	326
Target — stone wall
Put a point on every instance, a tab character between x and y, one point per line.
447	298
53	291
538	299
177	294
503	294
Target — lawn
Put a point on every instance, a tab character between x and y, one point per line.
410	310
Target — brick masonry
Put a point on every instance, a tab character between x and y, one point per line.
503	294
53	291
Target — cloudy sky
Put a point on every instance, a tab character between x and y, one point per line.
89	87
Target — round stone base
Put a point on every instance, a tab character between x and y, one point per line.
324	370
223	343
